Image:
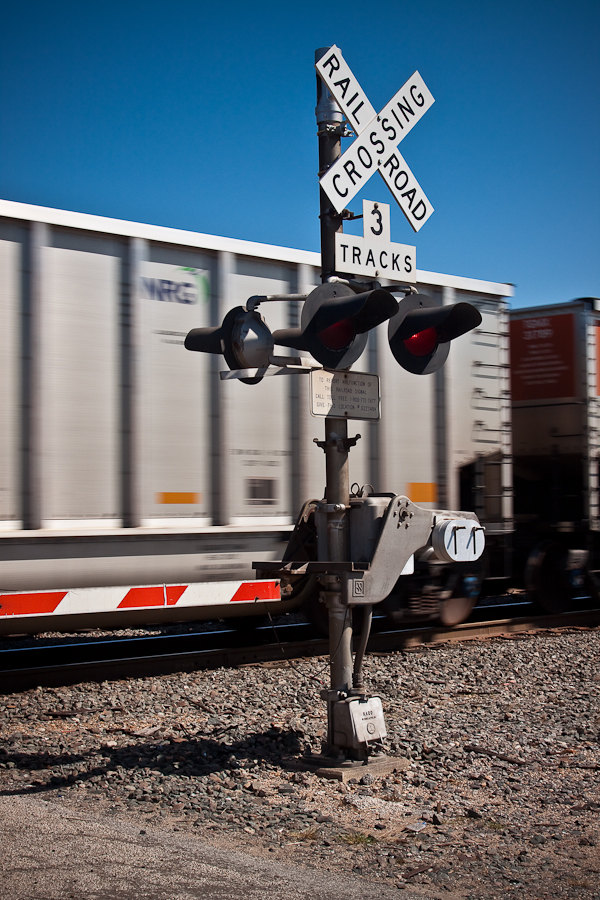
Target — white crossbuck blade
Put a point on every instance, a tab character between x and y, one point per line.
374	149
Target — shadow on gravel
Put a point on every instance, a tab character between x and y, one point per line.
192	756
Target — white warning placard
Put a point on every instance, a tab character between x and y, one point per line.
344	395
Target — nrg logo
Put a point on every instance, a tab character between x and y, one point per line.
170	291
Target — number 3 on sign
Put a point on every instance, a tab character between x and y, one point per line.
377	213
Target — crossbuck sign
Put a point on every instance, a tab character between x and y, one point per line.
378	135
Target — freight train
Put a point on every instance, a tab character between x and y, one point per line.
138	486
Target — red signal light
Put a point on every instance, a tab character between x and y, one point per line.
422	343
338	336
336	321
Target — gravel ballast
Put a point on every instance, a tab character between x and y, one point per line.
502	793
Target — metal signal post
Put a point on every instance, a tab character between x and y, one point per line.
330	127
420	339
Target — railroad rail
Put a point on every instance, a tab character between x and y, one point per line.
108	660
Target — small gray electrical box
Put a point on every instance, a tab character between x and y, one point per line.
358	720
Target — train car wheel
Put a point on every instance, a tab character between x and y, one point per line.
457	608
449	600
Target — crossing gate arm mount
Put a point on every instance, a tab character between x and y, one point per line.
406	529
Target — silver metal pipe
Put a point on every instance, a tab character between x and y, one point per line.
358	675
337	491
340	642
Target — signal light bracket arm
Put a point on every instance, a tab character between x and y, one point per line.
256	300
329	212
358	286
342	130
278	365
406	289
343	445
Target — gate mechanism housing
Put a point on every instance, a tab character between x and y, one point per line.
386	530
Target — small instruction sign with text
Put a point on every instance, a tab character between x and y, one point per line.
344	395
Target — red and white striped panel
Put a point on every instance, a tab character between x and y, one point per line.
105	599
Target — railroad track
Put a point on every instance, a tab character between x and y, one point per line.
107	660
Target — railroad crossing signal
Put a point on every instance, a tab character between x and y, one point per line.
421	331
377	138
334	329
336	318
335	323
243	338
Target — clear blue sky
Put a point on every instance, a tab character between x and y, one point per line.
201	116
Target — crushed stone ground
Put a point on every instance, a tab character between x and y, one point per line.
501	796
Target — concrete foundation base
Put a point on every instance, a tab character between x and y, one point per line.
327	767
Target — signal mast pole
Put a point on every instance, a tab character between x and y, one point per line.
330	124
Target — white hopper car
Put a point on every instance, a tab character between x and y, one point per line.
137	486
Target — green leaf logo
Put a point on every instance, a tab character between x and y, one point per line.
200	276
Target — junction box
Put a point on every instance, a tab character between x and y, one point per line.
357	721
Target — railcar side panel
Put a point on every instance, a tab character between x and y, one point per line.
79	400
477	417
556	416
10	340
257	450
173	393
